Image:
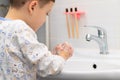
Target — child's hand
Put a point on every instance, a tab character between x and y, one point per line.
64	50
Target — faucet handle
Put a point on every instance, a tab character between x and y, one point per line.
101	31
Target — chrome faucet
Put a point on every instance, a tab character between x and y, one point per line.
101	39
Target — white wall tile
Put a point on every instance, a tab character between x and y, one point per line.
103	13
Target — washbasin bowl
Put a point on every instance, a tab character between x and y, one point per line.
91	66
76	66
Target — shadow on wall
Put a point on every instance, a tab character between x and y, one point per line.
3	10
41	34
4	4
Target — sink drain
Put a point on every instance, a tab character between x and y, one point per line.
94	66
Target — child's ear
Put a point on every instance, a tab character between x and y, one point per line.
32	5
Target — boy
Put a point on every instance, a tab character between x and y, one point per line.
21	55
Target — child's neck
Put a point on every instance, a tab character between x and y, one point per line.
15	14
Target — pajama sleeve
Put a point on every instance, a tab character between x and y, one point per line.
37	53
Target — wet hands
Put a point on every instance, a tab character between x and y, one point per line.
64	50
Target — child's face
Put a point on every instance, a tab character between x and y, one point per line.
38	14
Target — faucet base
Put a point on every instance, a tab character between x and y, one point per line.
104	52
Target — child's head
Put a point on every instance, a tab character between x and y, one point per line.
33	12
20	3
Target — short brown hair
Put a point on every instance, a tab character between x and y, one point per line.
20	3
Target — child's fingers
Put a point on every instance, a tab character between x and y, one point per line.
68	48
64	47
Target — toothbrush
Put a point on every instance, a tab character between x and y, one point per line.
71	11
76	22
68	26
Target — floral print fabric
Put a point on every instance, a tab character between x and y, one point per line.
22	56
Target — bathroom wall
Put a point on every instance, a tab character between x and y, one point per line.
103	13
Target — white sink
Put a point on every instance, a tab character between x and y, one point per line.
91	65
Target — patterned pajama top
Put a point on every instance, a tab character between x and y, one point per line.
22	57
